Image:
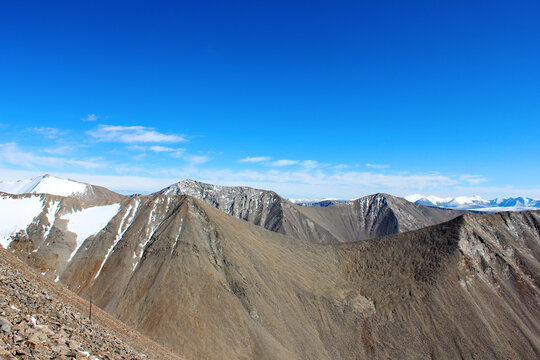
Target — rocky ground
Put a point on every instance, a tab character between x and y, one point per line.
35	323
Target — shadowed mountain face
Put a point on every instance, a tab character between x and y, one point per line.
374	216
208	285
364	218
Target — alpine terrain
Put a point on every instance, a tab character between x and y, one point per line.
359	219
220	272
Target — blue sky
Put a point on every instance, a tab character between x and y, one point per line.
311	99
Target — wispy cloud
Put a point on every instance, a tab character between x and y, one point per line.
174	152
133	135
309	164
90	117
377	166
59	150
197	159
87	164
254	159
473	179
10	153
284	162
49	132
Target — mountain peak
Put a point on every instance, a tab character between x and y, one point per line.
196	188
53	185
44	184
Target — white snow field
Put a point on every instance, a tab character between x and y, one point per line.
16	215
45	184
89	221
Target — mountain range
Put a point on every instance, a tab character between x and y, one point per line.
234	272
476	203
467	203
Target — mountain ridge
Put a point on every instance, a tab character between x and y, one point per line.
271	211
49	184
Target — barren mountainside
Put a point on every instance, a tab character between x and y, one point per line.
364	279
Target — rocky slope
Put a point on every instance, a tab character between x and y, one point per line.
468	288
367	217
42	320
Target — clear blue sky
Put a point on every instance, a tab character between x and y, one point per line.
309	98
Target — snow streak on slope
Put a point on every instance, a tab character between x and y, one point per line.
89	221
16	215
45	184
124	225
51	217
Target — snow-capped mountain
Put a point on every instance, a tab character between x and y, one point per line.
476	203
45	184
48	184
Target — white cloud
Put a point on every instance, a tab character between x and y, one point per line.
254	159
136	147
133	135
377	166
59	150
473	179
49	132
308	184
197	159
174	152
90	117
11	154
284	162
158	148
307	179
309	164
88	164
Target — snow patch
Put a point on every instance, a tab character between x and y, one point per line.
89	221
131	212
45	184
17	215
177	236
51	217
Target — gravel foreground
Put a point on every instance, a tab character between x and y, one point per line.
40	319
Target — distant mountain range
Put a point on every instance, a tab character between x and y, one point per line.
468	203
477	203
